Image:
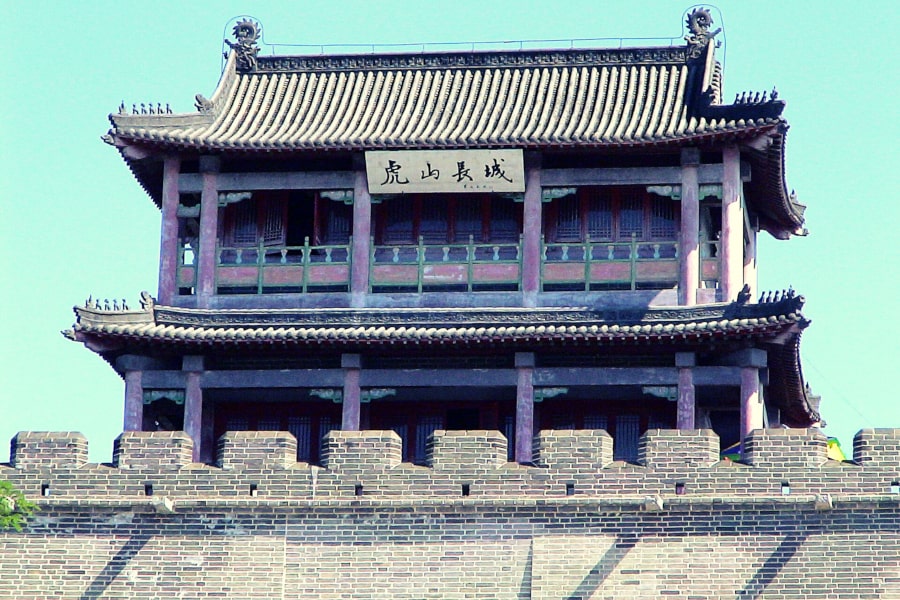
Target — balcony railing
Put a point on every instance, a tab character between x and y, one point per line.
481	266
272	269
464	267
620	265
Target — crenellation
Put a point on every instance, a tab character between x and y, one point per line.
48	450
668	449
786	448
573	450
347	450
151	450
466	450
257	449
878	448
367	464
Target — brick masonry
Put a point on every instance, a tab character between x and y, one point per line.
785	523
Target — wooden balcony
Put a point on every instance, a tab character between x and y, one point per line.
451	267
287	269
468	267
632	265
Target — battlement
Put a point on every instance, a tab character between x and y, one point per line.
778	462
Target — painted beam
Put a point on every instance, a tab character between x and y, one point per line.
285	378
399	378
438	378
633	376
711	173
248	182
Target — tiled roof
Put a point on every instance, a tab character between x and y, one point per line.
522	99
776	326
354	327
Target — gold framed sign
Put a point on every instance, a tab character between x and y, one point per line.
424	171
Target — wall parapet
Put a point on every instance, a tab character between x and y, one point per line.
462	466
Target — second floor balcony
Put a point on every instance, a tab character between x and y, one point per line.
467	267
589	240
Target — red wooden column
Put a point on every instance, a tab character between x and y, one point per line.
750	272
732	240
531	231
752	405
350	406
168	244
209	226
524	406
134	400
687	405
689	250
193	402
751	401
362	237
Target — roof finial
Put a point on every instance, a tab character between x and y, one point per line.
246	32
698	24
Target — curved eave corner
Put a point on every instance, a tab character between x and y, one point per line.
780	214
140	137
787	387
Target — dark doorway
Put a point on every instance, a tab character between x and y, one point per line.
463	418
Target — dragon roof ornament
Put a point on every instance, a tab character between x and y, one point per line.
698	23
247	33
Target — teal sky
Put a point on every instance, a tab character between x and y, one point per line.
75	222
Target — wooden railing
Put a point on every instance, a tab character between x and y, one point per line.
632	265
464	267
267	269
588	265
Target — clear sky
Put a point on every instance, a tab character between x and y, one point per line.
75	222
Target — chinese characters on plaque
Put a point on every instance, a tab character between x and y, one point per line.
409	171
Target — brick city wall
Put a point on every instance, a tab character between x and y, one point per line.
784	523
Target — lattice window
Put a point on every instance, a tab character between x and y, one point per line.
243	227
259	220
301	428
599	215
433	226
662	219
628	433
424	428
339	223
399	221
504	225
272	225
468	219
631	215
568	222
